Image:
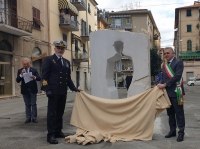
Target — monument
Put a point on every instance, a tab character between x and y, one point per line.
107	47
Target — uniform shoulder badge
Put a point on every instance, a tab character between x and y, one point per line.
44	83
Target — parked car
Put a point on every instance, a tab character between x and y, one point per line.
193	81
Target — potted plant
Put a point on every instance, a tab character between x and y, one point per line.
80	55
76	55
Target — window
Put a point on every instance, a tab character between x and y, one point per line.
189	45
89	11
84	50
189	28
90	29
188	12
76	45
83	28
118	23
65	37
36	18
128	21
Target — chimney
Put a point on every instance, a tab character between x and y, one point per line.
196	2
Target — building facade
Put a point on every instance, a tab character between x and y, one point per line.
73	21
23	33
102	17
138	21
187	39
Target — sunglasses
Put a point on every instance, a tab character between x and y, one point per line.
166	53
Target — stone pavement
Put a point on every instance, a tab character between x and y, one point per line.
14	134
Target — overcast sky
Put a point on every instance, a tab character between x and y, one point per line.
163	12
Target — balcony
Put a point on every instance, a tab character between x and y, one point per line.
80	57
102	18
127	26
155	37
189	55
13	24
85	35
67	23
79	4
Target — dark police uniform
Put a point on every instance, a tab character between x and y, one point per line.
56	78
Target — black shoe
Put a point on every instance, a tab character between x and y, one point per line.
171	134
52	140
60	135
180	137
35	120
28	120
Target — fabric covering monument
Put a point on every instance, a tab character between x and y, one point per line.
107	47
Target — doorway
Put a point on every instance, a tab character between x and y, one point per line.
5	79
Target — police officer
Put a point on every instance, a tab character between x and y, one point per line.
56	78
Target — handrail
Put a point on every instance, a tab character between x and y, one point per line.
66	19
8	17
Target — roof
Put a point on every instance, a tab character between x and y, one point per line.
197	5
189	55
137	11
94	2
191	6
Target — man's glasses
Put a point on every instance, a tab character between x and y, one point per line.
166	53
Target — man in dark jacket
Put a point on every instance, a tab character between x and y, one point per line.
56	78
29	89
172	82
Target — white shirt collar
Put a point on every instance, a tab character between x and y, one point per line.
58	56
171	60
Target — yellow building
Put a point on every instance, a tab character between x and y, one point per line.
187	39
73	21
102	17
139	21
23	33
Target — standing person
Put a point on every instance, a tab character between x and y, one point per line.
56	78
172	82
159	77
29	90
128	80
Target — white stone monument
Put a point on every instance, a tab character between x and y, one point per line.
107	47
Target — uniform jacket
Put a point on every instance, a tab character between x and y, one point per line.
177	66
32	85
55	77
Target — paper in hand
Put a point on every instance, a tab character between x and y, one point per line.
27	77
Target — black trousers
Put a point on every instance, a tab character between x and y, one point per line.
176	116
55	111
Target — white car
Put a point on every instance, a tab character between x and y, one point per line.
194	81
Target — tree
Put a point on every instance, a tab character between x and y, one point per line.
155	62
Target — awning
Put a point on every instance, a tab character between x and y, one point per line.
63	4
189	55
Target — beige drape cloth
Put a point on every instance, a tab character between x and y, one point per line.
113	120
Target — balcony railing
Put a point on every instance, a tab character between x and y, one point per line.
127	26
68	23
79	4
11	19
85	35
80	57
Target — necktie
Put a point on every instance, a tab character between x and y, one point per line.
169	63
60	62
